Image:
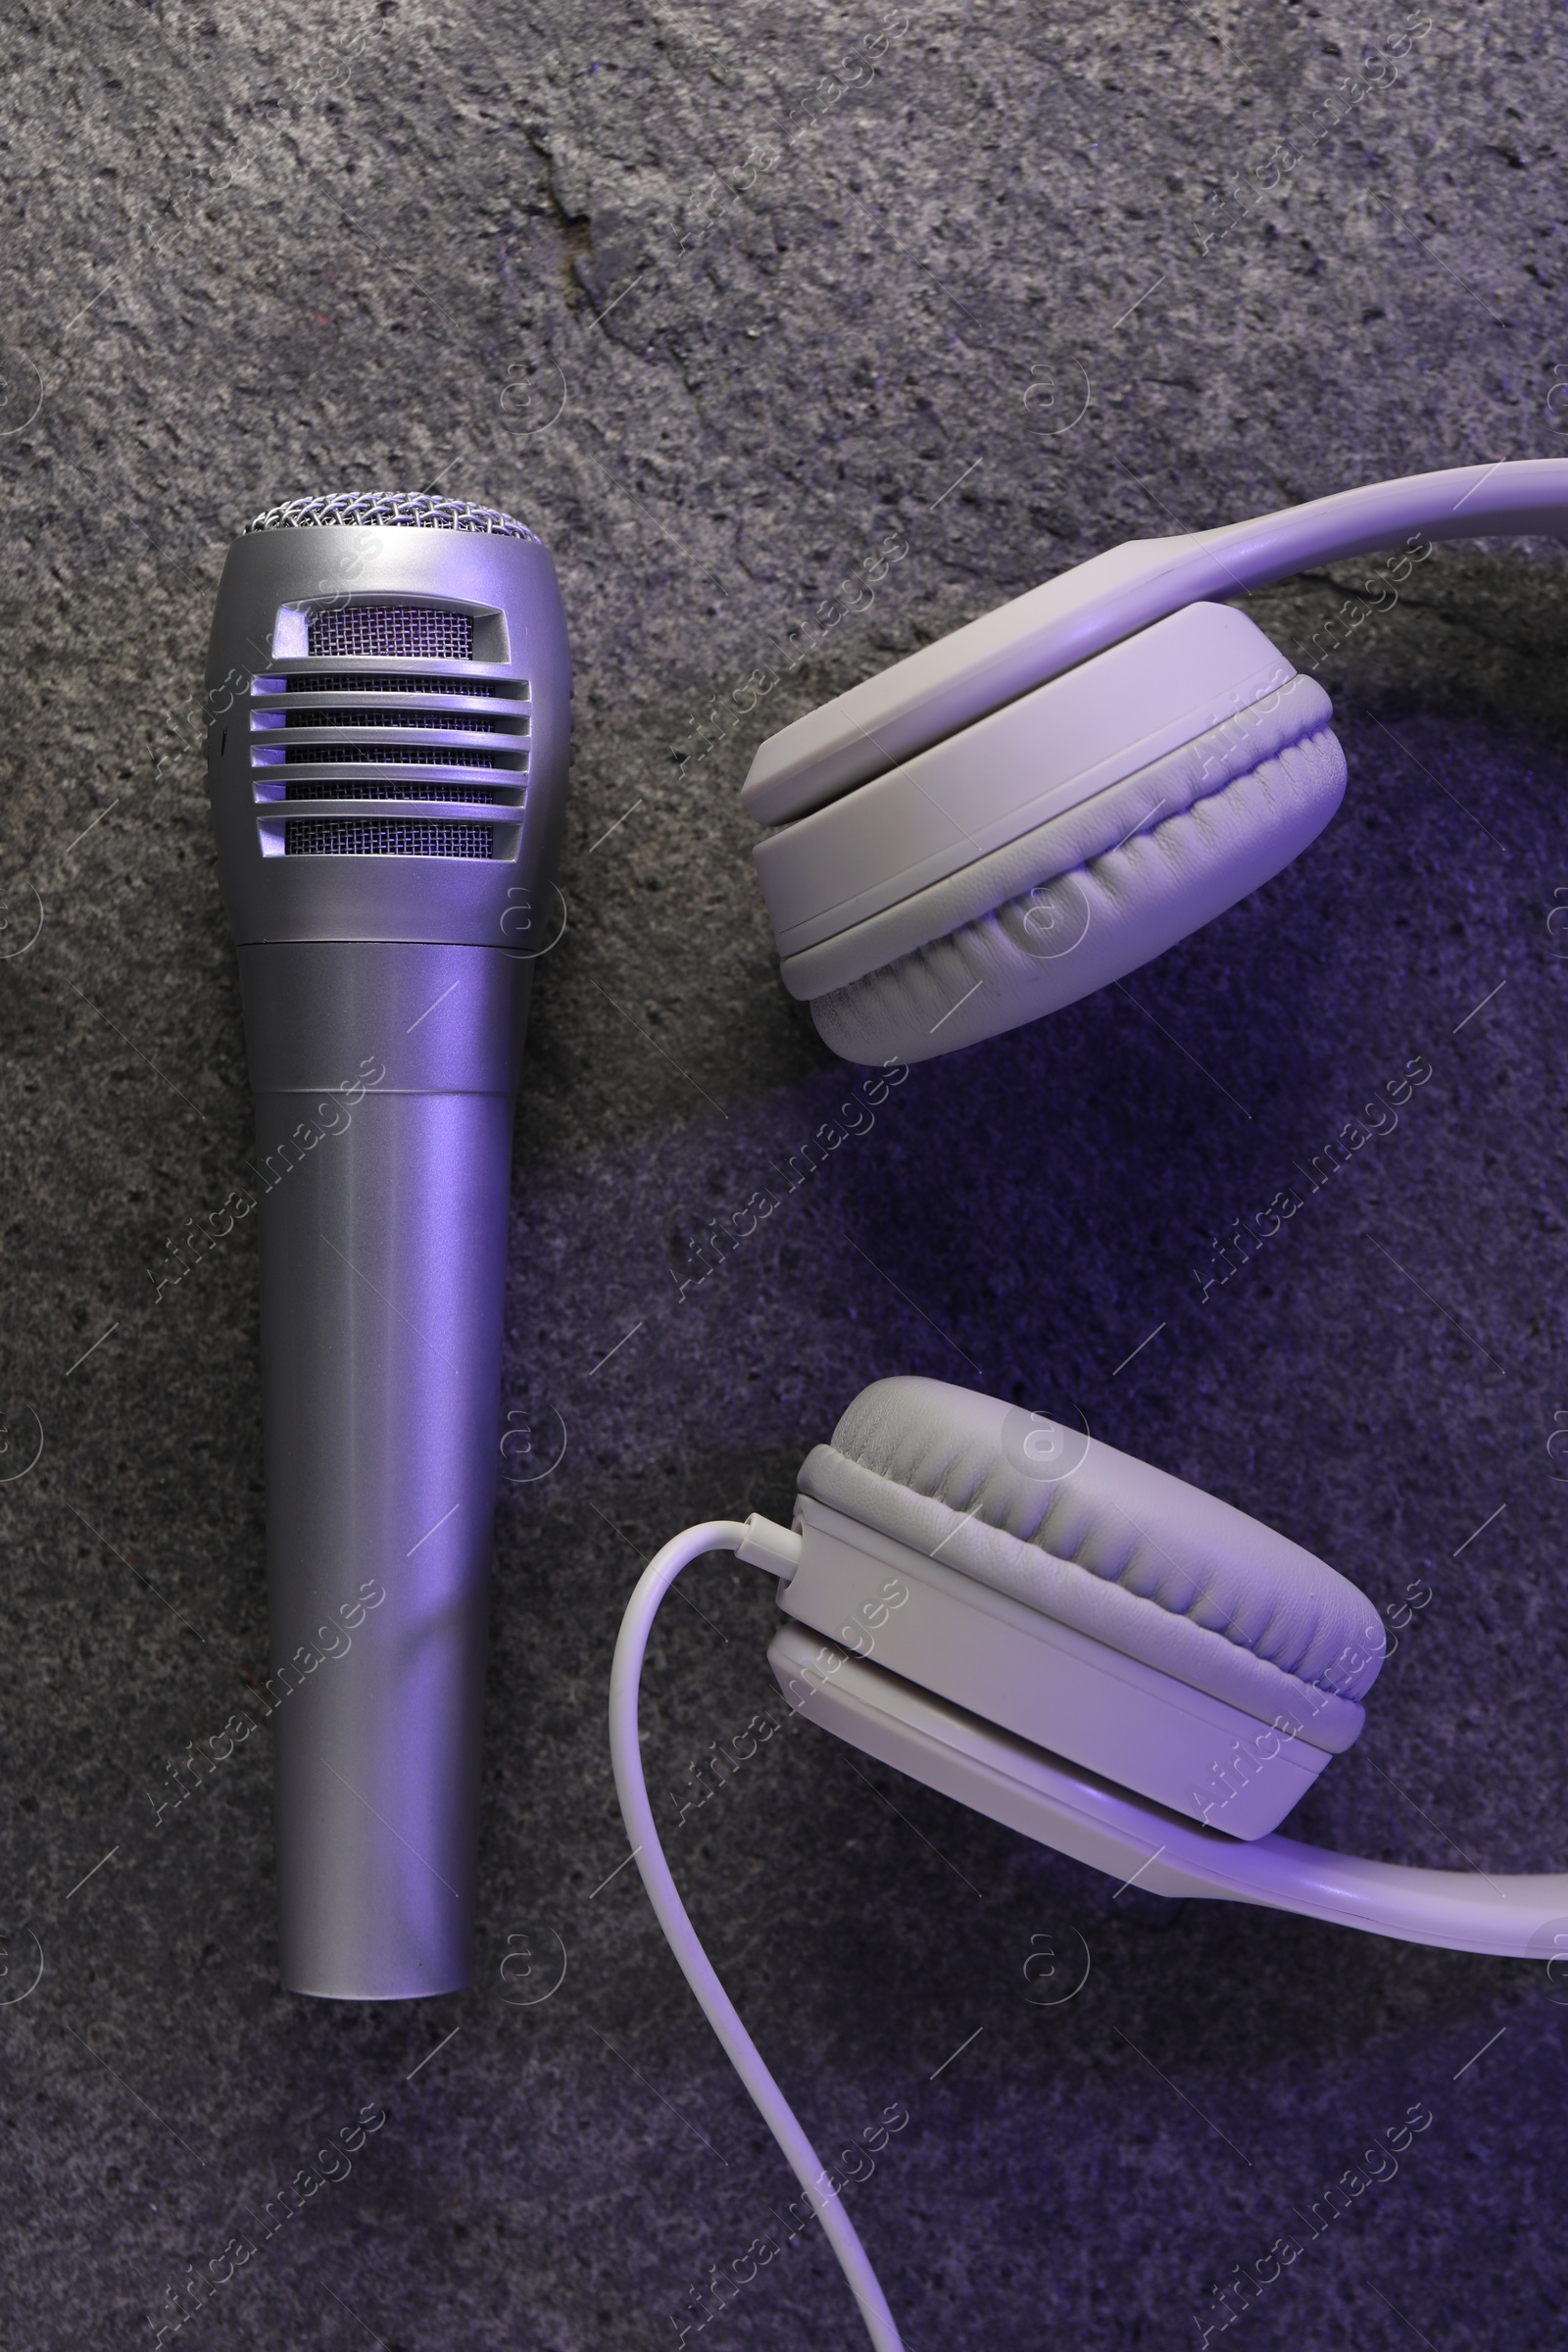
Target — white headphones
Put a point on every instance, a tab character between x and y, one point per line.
1046	799
1070	1641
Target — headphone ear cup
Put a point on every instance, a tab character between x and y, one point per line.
1092	894
1082	1599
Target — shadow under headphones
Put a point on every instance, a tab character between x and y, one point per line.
1071	1642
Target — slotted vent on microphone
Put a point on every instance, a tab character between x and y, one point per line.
382	837
339	789
382	755
331	681
467	722
392	632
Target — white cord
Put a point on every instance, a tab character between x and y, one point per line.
625	1748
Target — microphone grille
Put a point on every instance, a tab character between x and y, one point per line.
385	837
398	632
403	509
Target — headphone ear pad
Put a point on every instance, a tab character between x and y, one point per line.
1083	1600
1078	903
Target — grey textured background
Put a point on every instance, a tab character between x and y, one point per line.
719	299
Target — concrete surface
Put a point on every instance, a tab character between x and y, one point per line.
723	302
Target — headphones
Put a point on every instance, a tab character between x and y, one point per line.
1036	805
1071	1642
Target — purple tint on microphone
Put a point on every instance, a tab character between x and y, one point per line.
388	690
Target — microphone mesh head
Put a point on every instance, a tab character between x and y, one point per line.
403	509
395	768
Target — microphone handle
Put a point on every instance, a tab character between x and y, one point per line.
384	1075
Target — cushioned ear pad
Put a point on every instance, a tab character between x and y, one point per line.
1124	1552
1087	897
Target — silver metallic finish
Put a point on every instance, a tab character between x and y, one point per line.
404	509
385	998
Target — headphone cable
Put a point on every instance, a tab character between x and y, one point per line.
762	1544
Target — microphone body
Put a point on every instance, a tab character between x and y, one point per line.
388	688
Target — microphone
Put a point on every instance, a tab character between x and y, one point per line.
388	684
